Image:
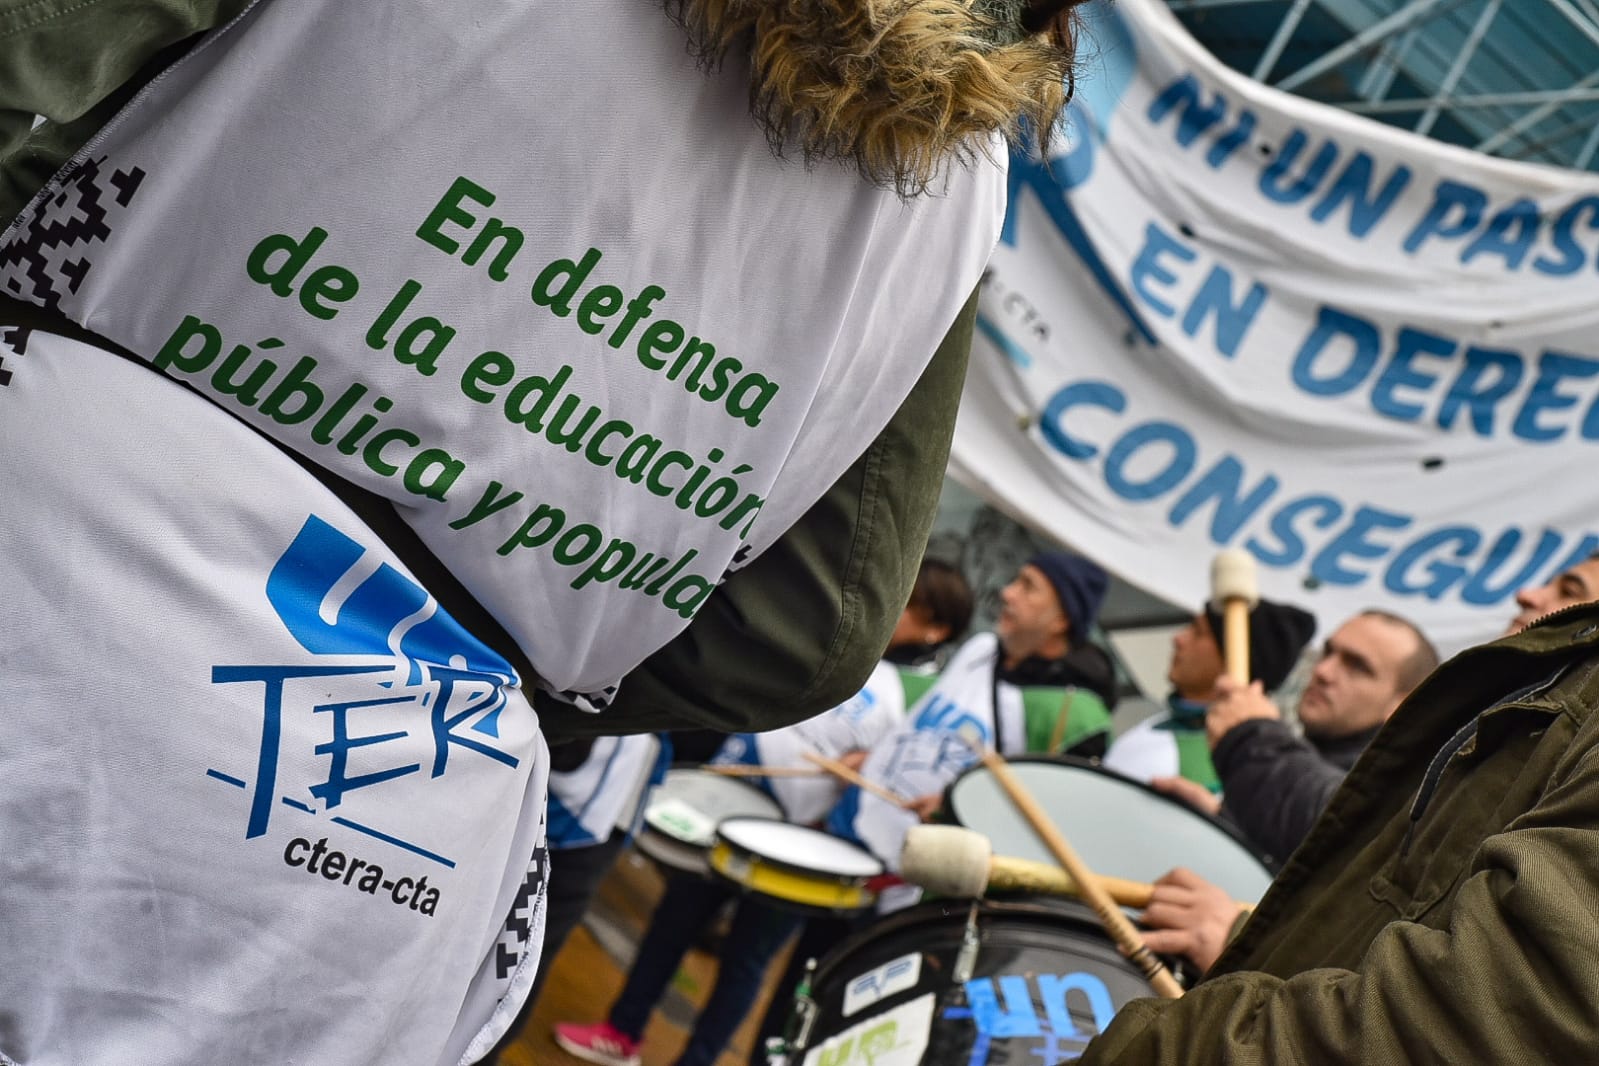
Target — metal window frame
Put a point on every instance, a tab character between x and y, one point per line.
1519	80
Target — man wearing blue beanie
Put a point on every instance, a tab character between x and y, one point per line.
1035	684
1046	614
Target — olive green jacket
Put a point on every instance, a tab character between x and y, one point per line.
792	634
1445	909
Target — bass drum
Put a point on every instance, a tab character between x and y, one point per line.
964	984
1118	826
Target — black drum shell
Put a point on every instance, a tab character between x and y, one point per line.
1039	962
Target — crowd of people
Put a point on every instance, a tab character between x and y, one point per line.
1037	684
383	422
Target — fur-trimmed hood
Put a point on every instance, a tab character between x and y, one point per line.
899	87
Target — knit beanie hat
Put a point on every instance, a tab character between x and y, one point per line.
1079	585
1278	632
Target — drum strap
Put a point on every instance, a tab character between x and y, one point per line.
998	711
1058	734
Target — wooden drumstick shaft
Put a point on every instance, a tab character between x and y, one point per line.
1006	873
734	770
1235	620
1115	923
844	773
1233	585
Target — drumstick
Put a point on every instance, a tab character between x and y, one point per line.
1232	583
1093	891
844	773
954	861
766	771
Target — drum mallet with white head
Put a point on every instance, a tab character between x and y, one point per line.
1233	585
953	861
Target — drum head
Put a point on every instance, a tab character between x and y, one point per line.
795	868
682	812
1044	981
1118	826
690	803
800	848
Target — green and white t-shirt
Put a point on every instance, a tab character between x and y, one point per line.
1165	745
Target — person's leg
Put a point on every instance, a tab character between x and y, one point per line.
686	906
758	932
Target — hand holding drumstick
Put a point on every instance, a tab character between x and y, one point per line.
854	777
1188	916
1115	923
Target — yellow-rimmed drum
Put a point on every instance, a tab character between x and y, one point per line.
683	812
795	867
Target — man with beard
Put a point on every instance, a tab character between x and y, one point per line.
1276	782
1574	585
1439	911
1037	683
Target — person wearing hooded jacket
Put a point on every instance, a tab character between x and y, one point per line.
374	412
1441	908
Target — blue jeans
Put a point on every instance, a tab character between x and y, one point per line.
757	934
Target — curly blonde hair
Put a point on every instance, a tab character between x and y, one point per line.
897	86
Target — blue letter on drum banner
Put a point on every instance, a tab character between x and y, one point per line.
1018	1017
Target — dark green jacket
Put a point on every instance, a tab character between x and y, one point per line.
1445	909
792	634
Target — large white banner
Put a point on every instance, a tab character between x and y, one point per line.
1222	316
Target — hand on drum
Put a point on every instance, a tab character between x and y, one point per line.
1189	916
1192	793
1236	704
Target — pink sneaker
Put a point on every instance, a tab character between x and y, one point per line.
600	1043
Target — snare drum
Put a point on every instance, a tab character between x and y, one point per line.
794	867
683	811
958	983
1118	827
